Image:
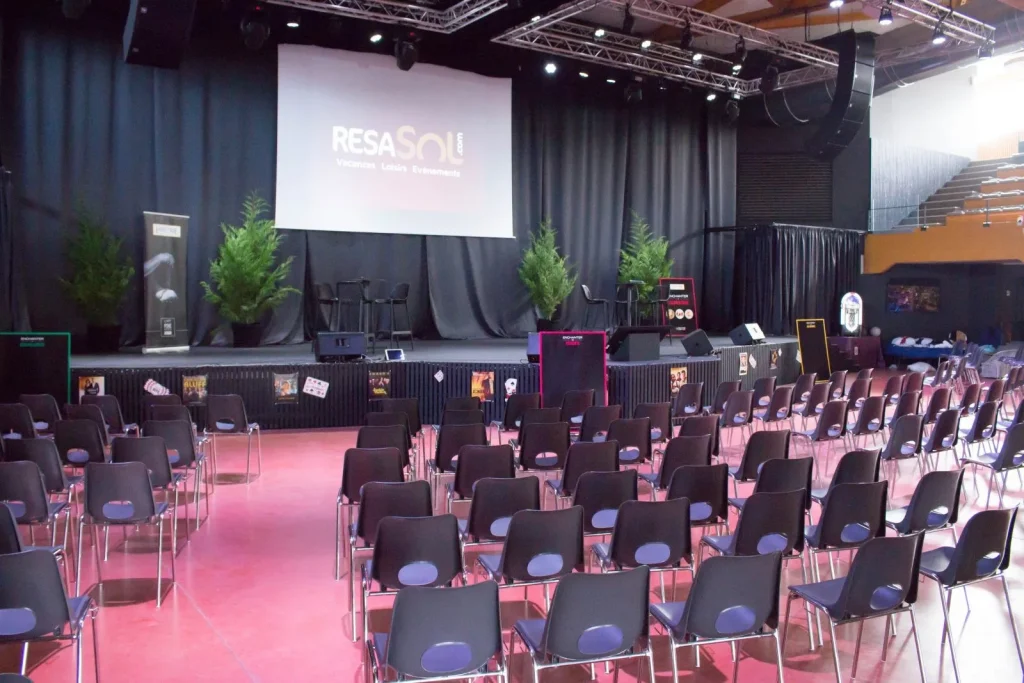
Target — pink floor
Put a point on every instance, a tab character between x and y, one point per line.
255	598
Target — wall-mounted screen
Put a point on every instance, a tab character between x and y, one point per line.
912	296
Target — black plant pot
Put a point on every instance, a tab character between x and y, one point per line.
103	338
545	325
247	335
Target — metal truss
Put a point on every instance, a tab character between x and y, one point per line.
957	26
457	16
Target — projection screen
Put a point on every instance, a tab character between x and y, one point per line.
365	147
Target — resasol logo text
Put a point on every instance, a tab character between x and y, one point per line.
370	142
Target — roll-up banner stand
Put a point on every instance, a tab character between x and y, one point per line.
164	271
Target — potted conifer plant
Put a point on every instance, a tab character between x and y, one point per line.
547	277
98	279
246	278
644	259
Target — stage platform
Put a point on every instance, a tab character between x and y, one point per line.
250	373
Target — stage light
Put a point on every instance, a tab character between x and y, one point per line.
627	20
74	9
376	38
885	16
535	19
739	56
696	57
938	37
584	74
769	79
836	4
610	80
736	68
634	93
255	27
294	21
736	96
711	97
645	44
986	51
732	111
550	68
407	51
686	37
599	33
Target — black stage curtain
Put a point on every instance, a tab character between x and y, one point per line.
83	127
777	274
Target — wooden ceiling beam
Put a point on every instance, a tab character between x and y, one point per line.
798	21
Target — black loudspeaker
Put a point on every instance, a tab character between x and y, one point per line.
697	344
640	343
747	334
331	347
855	85
157	31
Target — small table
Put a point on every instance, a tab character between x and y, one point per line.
865	350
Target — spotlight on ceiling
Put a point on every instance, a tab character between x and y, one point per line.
74	9
644	44
769	79
535	18
627	20
599	33
740	55
696	57
407	50
938	37
986	51
836	4
584	74
294	20
550	68
737	67
885	16
686	37
736	96
610	80
634	93
711	96
732	111
376	38
255	27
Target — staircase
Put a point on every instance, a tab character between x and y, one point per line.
951	196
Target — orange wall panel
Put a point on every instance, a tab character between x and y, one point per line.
962	240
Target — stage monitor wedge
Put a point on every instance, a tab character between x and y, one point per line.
747	334
332	347
157	32
697	344
637	343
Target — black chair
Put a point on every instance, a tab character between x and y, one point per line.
812	405
870	421
731	599
16	422
906	404
398	298
225	416
600	494
151	451
633	437
759	449
184	457
858	393
914	382
411	408
36	608
440	634
1010	457
995	391
981	554
326	298
450	440
722	394
699	425
837	385
779	475
970	398
943	438
982	428
79	442
737	413
656	534
596	422
119	494
603	305
938	402
111	409
44	409
412	551
707	489
893	389
763	390
168	412
478	462
359	467
461	417
1018	414
802	388
935	505
543	446
91	412
491	512
379	500
581	630
535	416
829	430
43	452
583	457
574	403
515	408
687	401
390	435
856	467
149	401
462	403
778	407
882	582
660	415
23	491
681	451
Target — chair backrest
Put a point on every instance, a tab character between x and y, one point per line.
587	296
543	544
574	404
938	402
588	456
417	551
815	400
633	437
491	512
111	409
151	451
363	465
699	425
177	436
859	390
409	406
761	447
853	513
883	577
780	404
225	414
995	390
169	413
727	587
45	411
579	627
871	417
600	494
462	403
908	403
91	412
707	489
478	462
945	433
149	401
688	400
802	387
22	488
452	437
984	425
387	419
832	421
764	387
597	420
893	386
385	436
462	417
857	467
387	499
544	445
79	442
865	373
681	452
516	407
10	537
722	394
935	503
739	409
1018	414
984	547
444	631
970	398
30	583
914	382
837	384
43	452
1013	446
770	523
786	474
16	422
660	415
653	533
118	493
905	438
400	292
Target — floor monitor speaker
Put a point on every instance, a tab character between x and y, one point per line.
747	334
331	347
697	344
